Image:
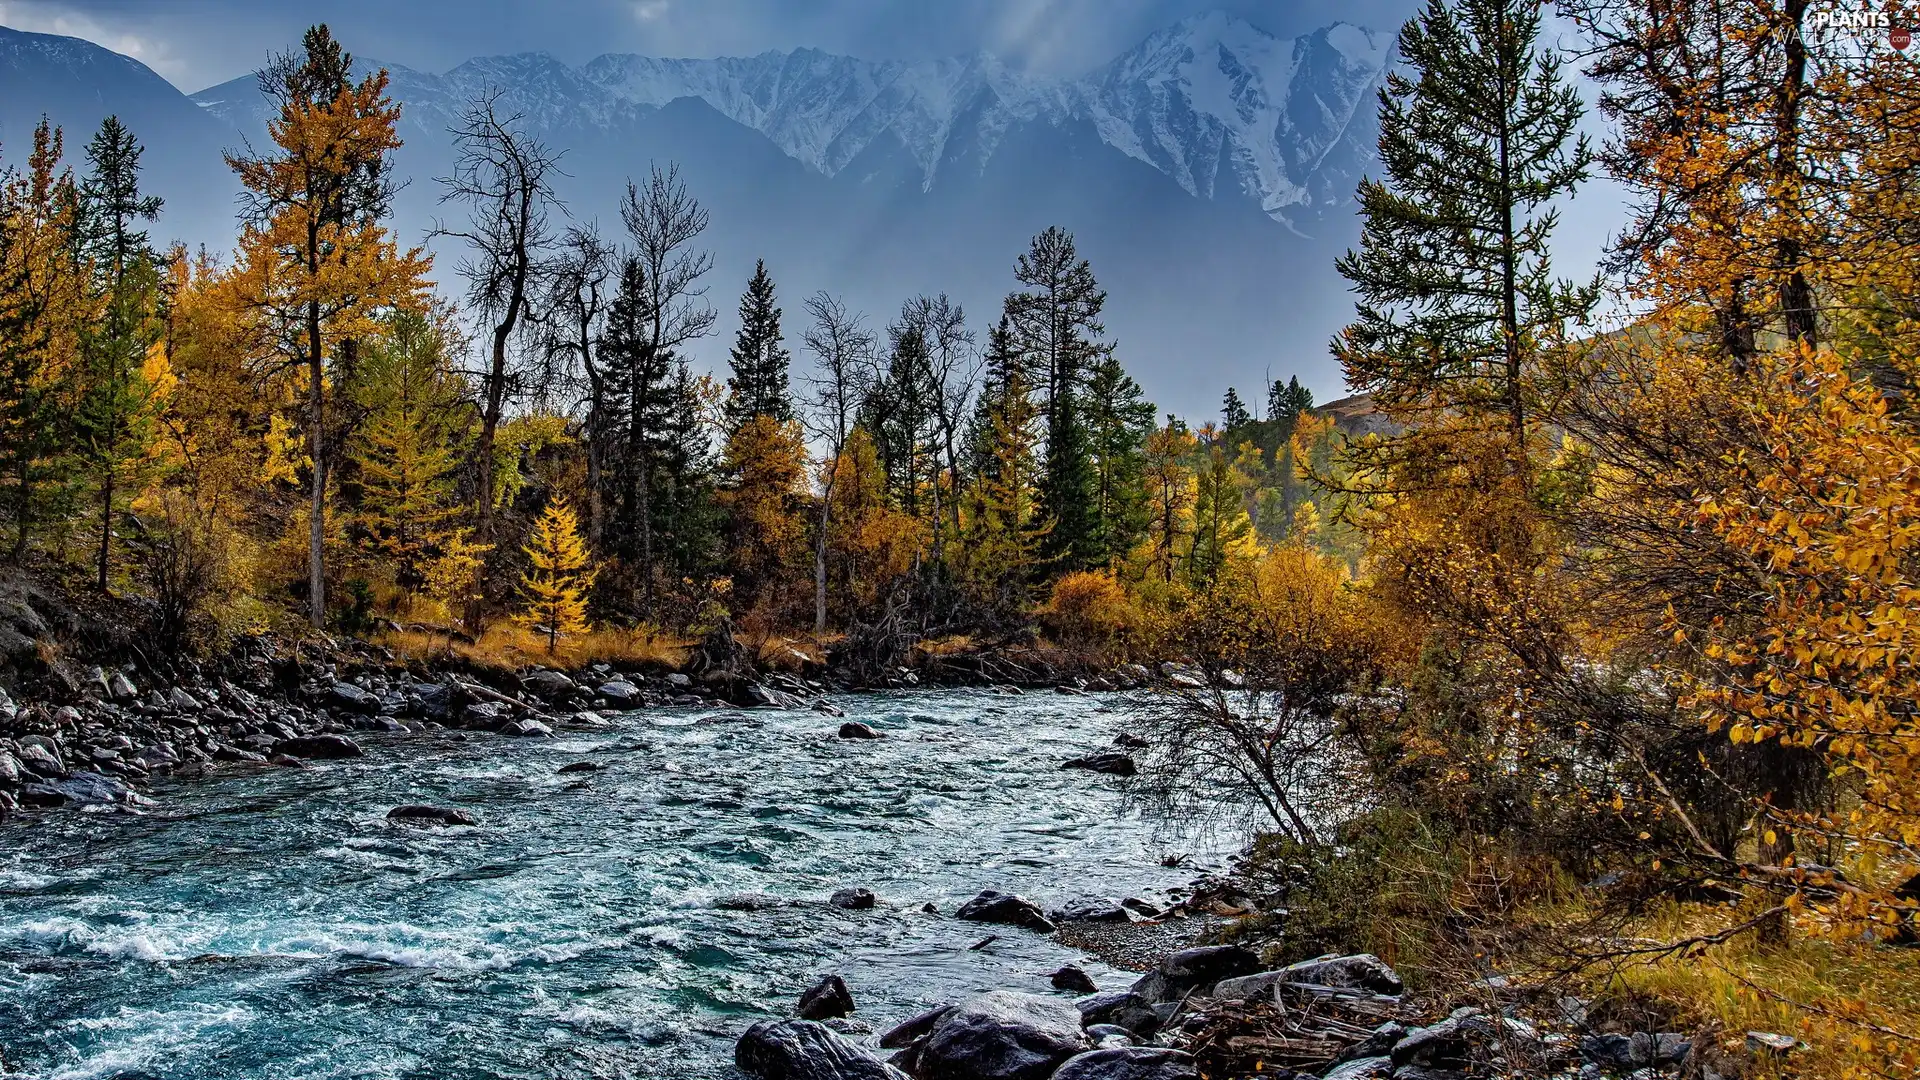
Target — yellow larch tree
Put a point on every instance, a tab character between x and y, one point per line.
554	589
316	266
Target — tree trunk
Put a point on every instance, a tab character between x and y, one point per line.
317	448
106	526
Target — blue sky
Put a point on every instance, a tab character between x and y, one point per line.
196	43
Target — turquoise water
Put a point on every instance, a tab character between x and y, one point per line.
274	924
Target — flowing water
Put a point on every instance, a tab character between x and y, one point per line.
274	925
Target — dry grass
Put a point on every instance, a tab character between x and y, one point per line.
508	647
1855	1005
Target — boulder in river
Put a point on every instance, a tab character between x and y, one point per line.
854	729
619	692
805	1050
418	814
1001	1035
528	729
1007	909
318	747
1094	909
581	766
1073	980
547	683
826	999
78	789
853	899
1130	1063
1111	762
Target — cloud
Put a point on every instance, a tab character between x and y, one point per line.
650	10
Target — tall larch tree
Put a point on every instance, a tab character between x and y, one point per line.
560	573
315	264
1119	422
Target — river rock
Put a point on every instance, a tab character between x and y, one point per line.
42	756
1191	972
1073	980
417	814
182	700
1372	1068
993	906
10	768
1001	1035
345	695
528	729
327	747
1362	971
78	789
826	999
581	766
1119	1008
805	1050
1094	909
619	692
854	729
679	680
1129	1063
1111	762
853	899
547	682
121	687
913	1028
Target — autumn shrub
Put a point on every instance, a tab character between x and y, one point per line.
1089	609
186	562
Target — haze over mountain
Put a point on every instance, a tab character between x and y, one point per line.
1207	172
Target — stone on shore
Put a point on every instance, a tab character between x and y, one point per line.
1000	1035
1191	972
318	747
805	1050
1073	980
1129	1063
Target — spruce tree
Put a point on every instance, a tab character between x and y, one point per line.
1286	401
1233	411
1055	327
1119	420
122	389
759	386
1478	135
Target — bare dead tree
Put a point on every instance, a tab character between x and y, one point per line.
663	220
953	367
505	178
844	349
578	289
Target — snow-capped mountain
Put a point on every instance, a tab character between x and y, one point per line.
1207	173
1222	107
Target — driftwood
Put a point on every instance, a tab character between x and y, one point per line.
490	694
1305	1027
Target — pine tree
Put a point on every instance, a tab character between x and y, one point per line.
898	413
1478	135
1233	411
1055	328
125	379
1286	401
1222	531
759	386
1004	526
1170	493
766	467
555	588
1119	421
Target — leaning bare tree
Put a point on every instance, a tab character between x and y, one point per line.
844	348
663	220
505	178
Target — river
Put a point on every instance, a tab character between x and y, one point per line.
272	925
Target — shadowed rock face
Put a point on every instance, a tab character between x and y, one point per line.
1002	1035
804	1050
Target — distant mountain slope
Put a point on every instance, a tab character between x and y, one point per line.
1207	173
76	84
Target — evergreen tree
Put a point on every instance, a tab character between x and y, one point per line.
555	588
1119	420
409	448
1004	526
1055	327
899	414
1222	531
1478	135
1233	411
759	386
1286	401
641	391
125	380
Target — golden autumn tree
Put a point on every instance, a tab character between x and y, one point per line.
555	588
315	263
1170	499
765	463
44	305
871	543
